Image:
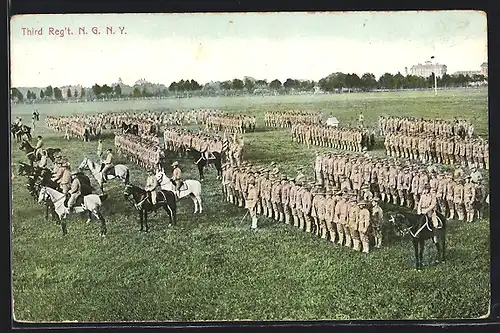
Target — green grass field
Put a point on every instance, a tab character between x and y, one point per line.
213	267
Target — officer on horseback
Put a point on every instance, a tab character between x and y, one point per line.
75	191
151	185
176	177
38	147
205	153
427	206
106	164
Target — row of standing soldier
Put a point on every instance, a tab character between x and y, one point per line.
231	123
344	217
345	138
285	119
403	183
148	154
468	152
436	127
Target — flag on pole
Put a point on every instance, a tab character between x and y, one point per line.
225	142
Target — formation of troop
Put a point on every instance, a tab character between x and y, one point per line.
231	123
179	140
436	127
288	118
345	138
76	127
404	183
344	217
140	150
468	152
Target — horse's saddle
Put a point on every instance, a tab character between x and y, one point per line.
183	186
428	223
110	171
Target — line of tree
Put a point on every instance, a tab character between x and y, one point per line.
334	82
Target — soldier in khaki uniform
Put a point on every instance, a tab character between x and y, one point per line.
352	220
251	202
469	199
65	180
292	194
276	201
377	216
427	206
330	202
450	190
285	199
151	186
364	224
458	198
441	193
340	217
316	208
306	207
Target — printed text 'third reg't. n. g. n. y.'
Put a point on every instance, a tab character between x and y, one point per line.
67	31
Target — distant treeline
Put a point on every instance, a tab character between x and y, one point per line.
336	82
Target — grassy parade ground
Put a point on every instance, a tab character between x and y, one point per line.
213	266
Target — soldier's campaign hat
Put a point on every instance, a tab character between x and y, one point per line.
468	177
427	186
109	149
175	163
363	203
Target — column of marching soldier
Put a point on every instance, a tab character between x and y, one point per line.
145	152
284	119
345	138
231	123
345	217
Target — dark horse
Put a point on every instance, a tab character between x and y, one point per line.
129	128
30	152
142	202
202	162
421	229
18	131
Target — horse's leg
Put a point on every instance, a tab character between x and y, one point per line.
46	212
141	218
421	244
63	225
103	223
89	219
146	220
437	242
170	213
200	208
442	240
415	248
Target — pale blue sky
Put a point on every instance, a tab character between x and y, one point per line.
167	47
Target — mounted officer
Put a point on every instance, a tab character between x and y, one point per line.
75	191
38	147
176	177
151	186
106	164
427	206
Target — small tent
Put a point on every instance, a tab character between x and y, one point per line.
332	121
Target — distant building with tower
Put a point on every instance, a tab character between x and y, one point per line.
426	69
482	71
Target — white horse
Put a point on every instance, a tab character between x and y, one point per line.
118	171
190	187
91	203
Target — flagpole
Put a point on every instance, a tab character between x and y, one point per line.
435	77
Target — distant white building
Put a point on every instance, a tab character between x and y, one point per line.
426	69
